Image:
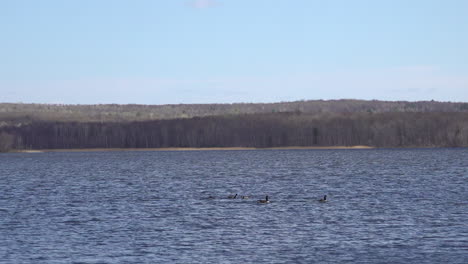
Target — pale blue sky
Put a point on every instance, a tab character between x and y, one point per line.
224	51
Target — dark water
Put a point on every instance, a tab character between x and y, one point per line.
385	206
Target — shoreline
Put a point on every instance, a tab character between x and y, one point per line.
185	149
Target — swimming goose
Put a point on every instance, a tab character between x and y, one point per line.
245	197
264	201
324	199
232	196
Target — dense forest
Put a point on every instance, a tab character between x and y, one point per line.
264	130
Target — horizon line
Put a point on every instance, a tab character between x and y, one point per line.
234	103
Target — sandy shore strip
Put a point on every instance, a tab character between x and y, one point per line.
185	149
27	151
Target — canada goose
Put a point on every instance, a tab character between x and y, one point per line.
324	199
264	201
232	196
245	197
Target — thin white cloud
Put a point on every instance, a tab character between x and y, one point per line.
200	4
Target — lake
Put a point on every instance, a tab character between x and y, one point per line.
384	206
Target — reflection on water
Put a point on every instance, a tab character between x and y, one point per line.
385	206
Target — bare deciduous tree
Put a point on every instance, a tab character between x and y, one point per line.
6	141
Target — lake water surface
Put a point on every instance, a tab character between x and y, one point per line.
385	206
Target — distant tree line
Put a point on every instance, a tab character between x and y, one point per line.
16	114
391	129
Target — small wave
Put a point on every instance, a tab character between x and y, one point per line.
73	222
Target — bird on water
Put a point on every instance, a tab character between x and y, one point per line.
324	199
232	196
264	201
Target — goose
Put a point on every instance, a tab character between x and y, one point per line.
324	199
245	197
232	196
264	201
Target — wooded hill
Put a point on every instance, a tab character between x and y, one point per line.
16	114
386	129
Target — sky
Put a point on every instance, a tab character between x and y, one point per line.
228	51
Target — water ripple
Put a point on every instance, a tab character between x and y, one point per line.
385	206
